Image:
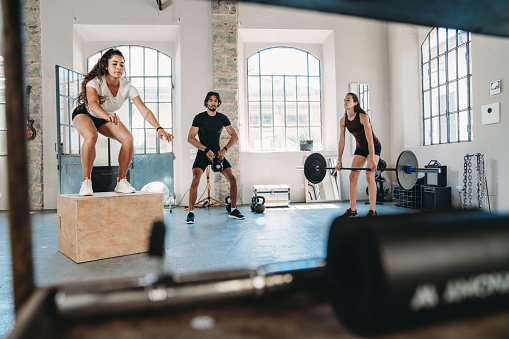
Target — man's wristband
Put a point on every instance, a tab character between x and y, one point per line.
158	128
206	150
226	149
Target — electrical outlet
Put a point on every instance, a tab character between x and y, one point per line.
459	189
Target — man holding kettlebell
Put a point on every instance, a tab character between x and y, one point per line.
208	126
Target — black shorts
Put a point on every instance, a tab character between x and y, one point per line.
365	152
98	122
202	161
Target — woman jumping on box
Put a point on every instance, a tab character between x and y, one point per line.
367	147
103	92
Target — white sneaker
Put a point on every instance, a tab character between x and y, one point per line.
86	187
123	186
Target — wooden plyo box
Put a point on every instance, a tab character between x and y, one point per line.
107	224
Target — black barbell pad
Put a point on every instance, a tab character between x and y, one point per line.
156	240
397	271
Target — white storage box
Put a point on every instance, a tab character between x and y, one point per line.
275	195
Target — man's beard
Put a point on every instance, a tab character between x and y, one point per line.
212	108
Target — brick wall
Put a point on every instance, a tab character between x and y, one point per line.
225	81
33	77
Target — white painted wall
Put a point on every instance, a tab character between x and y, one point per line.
353	50
489	55
188	43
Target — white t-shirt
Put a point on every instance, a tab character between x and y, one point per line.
112	104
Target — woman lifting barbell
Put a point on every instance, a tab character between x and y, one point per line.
368	147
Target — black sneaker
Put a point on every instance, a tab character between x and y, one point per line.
190	218
349	213
371	213
235	214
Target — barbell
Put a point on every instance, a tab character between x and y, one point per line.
407	169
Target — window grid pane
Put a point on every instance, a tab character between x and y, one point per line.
150	71
284	99
68	86
446	78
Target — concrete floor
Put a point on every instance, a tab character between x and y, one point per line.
214	242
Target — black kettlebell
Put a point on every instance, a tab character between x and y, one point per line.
259	207
228	204
217	165
253	202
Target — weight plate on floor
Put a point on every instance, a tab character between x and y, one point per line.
386	186
405	159
381	166
313	174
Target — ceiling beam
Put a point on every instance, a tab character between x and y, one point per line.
489	17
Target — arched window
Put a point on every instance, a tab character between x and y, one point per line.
284	99
150	71
446	86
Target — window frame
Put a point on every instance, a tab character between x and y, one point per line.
440	91
309	127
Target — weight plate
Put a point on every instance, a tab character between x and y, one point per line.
381	166
386	186
406	180
313	174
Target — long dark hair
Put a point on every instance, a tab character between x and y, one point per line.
357	108
209	94
100	69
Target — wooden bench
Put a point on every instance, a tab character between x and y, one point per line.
106	225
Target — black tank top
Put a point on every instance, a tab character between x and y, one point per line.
357	130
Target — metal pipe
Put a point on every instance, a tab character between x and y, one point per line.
19	217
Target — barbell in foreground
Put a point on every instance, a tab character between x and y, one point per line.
380	274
